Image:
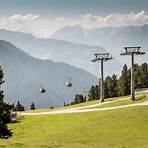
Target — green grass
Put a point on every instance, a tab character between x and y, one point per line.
39	110
139	98
67	107
121	128
73	106
124	102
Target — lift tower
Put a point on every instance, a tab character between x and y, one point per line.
132	51
102	57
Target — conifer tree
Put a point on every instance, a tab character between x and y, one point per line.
108	87
92	93
105	89
137	75
144	75
19	107
32	106
97	92
124	82
114	85
5	111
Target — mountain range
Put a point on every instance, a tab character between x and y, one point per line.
24	74
76	54
113	39
29	62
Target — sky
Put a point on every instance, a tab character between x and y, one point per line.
72	8
41	18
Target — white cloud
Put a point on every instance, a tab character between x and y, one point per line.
43	27
115	19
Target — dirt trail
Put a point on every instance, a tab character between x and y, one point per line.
86	109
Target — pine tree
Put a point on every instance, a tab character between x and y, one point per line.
5	110
109	88
114	85
76	99
144	75
124	82
32	106
106	95
97	92
137	76
79	99
19	107
92	93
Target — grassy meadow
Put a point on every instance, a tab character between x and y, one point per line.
120	128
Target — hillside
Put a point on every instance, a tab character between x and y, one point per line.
24	74
78	55
95	105
113	128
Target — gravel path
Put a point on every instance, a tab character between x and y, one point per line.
85	109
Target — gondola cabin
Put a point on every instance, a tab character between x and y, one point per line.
68	84
42	90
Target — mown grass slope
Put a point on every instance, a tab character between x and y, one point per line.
140	97
67	107
121	128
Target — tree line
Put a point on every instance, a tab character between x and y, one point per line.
114	86
20	107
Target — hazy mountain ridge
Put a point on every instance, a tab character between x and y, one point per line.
79	55
111	38
91	35
24	74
